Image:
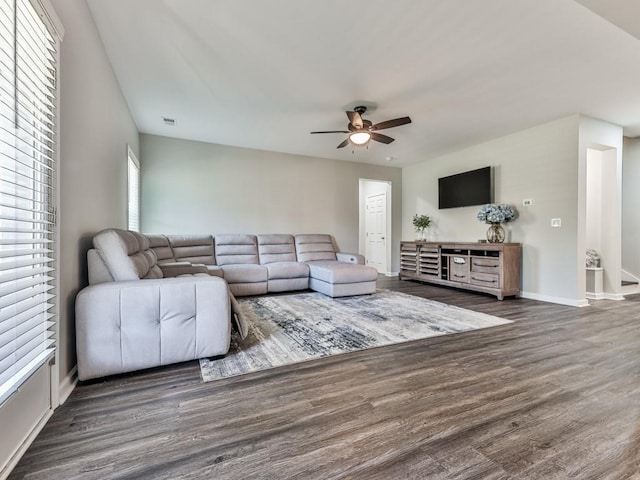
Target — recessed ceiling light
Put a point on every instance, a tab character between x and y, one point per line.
171	122
390	159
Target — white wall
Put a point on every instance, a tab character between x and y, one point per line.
195	187
95	127
539	163
631	207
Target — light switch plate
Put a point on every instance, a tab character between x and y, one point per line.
556	222
527	202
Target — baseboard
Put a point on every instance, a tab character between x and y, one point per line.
614	296
4	474
392	274
594	296
67	385
559	300
628	276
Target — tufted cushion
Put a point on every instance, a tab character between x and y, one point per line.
235	249
314	247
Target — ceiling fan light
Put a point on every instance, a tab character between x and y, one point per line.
360	138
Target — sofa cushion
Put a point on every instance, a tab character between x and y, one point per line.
193	248
276	248
284	270
235	249
339	272
244	273
127	255
160	245
215	270
314	247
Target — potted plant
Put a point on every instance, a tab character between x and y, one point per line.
421	223
495	215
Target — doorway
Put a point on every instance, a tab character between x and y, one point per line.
375	224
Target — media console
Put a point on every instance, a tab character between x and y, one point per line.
483	267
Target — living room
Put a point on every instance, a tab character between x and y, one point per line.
193	184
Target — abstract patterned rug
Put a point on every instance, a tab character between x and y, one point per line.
295	328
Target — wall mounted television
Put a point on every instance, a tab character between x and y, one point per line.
466	189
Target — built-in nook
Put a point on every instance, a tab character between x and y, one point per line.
603	223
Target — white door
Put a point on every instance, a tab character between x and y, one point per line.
376	228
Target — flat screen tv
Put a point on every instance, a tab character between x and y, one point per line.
465	189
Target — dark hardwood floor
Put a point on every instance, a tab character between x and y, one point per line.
554	395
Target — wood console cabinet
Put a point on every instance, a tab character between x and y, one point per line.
484	267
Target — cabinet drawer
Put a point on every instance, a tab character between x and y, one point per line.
485	265
485	279
458	272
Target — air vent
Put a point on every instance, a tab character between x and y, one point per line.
171	122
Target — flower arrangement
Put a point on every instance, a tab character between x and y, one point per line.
496	214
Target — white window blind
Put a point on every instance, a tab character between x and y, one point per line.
133	199
27	192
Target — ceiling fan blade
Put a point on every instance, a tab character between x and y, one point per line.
343	144
396	122
378	137
355	119
332	131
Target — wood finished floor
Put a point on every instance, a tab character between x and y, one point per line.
554	395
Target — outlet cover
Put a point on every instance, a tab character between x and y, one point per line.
556	222
527	202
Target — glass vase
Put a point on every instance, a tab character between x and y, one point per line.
495	234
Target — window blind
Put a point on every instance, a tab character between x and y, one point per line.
133	200
27	192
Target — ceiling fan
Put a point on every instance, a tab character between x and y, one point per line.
361	131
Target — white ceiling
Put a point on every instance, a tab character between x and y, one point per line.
263	74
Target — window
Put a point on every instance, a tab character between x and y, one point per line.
27	192
133	198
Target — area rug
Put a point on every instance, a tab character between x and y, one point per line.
295	328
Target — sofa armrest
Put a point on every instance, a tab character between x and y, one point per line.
173	269
350	258
131	325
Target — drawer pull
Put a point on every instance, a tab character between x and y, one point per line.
484	265
482	280
459	276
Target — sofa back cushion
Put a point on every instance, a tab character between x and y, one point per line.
234	249
276	248
314	247
127	255
193	248
160	245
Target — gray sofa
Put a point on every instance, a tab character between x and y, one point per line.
160	299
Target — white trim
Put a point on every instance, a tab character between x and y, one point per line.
67	385
392	274
11	464
49	16
594	296
614	296
551	299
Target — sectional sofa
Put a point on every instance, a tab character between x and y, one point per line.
184	307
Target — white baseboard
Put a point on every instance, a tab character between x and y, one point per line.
614	296
551	299
392	274
67	385
4	474
595	296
